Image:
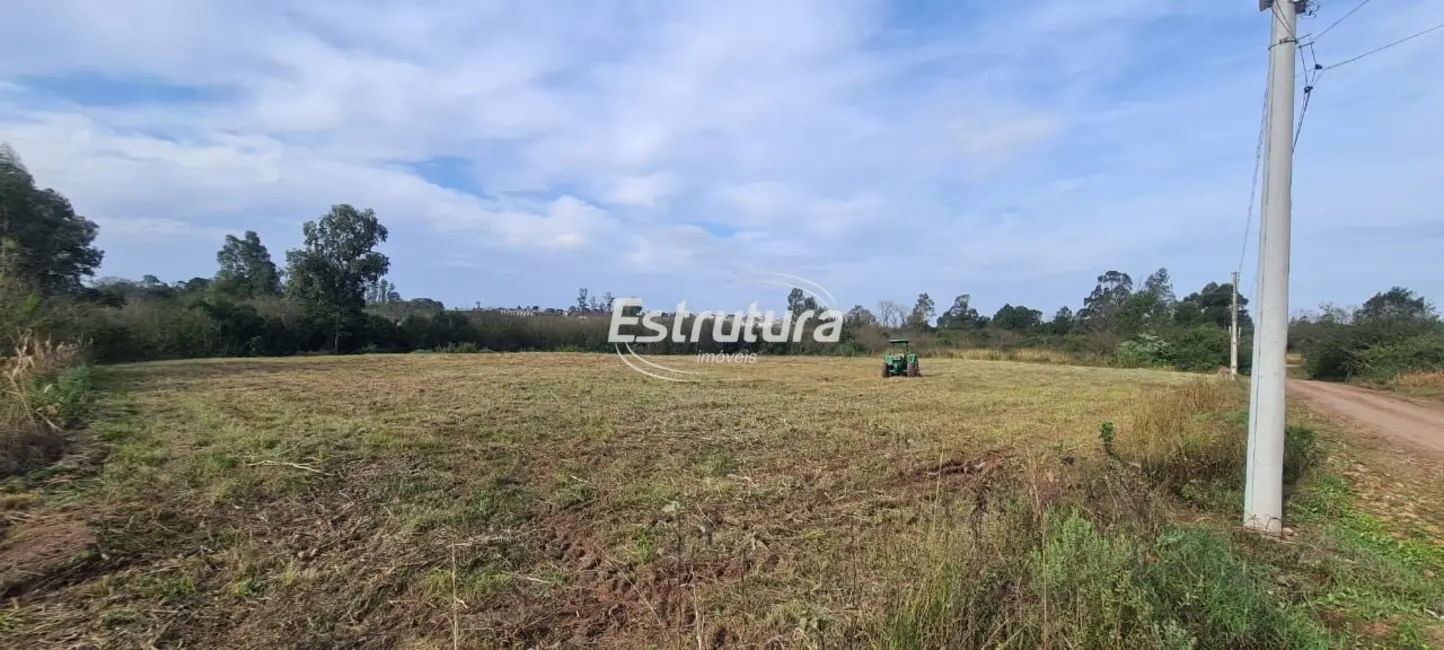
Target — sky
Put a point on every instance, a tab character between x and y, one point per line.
674	149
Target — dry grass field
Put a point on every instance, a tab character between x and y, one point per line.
556	500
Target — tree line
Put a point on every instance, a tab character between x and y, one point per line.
332	296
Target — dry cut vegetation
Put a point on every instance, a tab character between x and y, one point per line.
553	500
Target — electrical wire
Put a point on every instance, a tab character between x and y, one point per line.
1379	49
1308	92
1341	20
1254	179
1309	85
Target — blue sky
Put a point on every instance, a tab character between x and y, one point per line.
520	149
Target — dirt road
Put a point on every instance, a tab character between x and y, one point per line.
1417	422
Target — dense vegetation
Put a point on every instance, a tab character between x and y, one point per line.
1393	333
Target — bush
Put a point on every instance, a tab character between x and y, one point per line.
1201	349
1424	352
1331	358
1375	349
1145	351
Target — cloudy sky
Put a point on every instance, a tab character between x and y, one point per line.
520	149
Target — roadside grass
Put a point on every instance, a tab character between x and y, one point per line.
1425	384
526	500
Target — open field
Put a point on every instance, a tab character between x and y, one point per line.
553	500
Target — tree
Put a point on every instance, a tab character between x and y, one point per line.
1212	305
1157	310
961	315
43	243
859	316
246	269
1160	286
607	300
798	302
330	272
1397	304
1017	319
1113	288
193	285
583	305
922	313
1135	316
1063	321
380	292
890	314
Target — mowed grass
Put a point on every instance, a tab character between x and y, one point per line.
556	500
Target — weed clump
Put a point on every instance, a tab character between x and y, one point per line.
1192	439
43	390
1054	578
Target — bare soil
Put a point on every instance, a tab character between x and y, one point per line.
1420	424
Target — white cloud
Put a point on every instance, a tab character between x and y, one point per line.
650	191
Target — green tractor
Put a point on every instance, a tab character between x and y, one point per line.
904	364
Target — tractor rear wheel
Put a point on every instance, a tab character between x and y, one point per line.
885	373
913	370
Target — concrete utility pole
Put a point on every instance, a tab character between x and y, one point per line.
1233	332
1263	506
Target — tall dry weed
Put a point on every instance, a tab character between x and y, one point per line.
31	411
1186	432
1427	383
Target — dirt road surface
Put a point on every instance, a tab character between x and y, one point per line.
1419	423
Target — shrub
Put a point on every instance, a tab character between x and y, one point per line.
1146	350
1424	352
1201	349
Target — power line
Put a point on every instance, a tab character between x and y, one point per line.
1309	84
1253	180
1377	50
1308	92
1341	20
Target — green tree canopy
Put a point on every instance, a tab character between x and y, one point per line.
1017	319
1397	303
961	316
922	313
331	271
42	241
246	269
1211	306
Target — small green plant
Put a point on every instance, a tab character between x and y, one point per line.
1107	434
